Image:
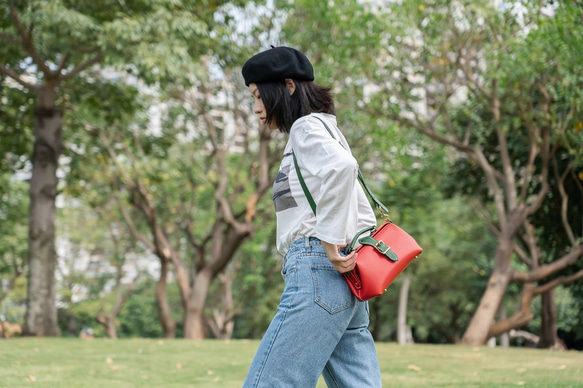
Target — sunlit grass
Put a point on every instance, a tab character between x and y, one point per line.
50	362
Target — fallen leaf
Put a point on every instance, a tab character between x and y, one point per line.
108	361
160	342
414	367
115	367
210	373
31	378
562	367
179	366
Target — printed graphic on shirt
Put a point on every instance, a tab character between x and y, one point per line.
282	196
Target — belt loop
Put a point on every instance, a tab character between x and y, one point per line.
307	242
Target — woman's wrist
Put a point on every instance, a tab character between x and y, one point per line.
331	249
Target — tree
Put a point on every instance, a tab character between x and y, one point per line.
18	33
47	45
485	81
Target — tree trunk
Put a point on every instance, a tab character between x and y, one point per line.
108	321
548	335
194	323
520	318
504	337
41	312
168	324
121	298
222	320
402	332
477	332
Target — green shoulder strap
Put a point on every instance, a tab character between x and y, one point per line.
378	204
303	184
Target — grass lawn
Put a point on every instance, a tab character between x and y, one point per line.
59	362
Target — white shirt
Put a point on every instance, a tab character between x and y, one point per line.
330	173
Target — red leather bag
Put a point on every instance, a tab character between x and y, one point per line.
382	256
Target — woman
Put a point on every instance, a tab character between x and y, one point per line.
319	327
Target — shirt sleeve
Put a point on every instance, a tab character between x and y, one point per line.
336	171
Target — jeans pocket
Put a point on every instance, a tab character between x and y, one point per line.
330	289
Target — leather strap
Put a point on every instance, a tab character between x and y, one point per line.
303	184
380	246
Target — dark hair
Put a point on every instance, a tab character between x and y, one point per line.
285	108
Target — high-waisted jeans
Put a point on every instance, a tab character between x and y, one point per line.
319	328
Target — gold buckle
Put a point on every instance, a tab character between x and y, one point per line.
377	247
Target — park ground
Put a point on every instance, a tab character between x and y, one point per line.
61	362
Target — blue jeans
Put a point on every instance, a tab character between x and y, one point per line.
319	328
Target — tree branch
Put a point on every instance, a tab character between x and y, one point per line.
564	199
132	226
520	319
10	39
545	155
523	256
560	281
533	132
78	69
121	300
16	77
27	42
62	63
531	242
549	269
464	67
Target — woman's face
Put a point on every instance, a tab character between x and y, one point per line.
259	108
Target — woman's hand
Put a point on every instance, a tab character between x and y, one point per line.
341	264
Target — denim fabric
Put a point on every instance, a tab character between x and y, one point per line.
319	328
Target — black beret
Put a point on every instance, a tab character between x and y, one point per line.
277	63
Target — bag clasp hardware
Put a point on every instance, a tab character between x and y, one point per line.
380	245
384	214
386	251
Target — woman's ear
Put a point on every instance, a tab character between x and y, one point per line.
291	85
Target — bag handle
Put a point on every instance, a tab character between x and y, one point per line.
355	238
378	204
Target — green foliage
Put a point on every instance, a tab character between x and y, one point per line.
258	283
158	38
451	274
140	316
13	239
342	40
15	122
